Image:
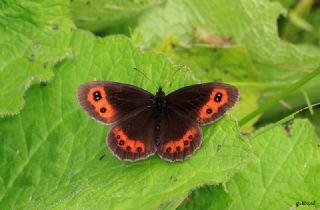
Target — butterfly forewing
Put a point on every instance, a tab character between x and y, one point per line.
109	102
204	103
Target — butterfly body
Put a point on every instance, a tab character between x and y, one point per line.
160	104
144	124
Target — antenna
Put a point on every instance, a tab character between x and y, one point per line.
141	72
169	83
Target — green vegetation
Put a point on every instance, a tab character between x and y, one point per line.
259	156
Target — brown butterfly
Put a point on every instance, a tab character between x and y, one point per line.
144	124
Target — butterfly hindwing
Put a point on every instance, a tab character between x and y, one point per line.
204	103
133	138
109	102
180	137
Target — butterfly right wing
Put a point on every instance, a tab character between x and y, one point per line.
179	136
204	103
188	108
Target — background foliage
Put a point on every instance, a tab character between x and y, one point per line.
50	149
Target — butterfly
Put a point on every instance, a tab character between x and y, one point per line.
144	124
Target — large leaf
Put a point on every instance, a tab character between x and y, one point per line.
33	36
50	152
246	23
283	173
97	15
285	170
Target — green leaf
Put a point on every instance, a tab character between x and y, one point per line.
33	36
284	171
207	197
313	115
286	3
97	15
245	23
270	103
50	152
297	24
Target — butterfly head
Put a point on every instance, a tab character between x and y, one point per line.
160	92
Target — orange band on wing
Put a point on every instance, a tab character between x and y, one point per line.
98	98
127	144
180	144
218	98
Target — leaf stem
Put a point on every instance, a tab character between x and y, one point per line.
276	100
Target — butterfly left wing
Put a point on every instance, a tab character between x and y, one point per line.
132	139
110	102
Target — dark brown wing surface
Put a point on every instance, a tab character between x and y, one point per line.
109	102
179	136
133	138
203	103
188	108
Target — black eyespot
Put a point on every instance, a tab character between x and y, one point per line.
121	142
178	149
103	110
186	142
190	136
139	149
97	95
209	111
128	148
118	136
218	97
168	149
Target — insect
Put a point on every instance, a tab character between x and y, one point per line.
144	124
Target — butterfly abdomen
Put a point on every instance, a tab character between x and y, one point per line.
160	103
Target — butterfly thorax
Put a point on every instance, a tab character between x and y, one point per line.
160	98
160	93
